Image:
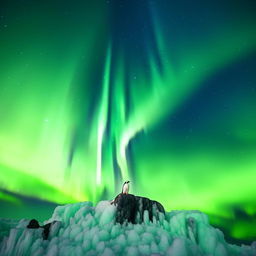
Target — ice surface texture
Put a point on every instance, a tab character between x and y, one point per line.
82	229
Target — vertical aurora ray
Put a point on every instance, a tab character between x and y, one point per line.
36	90
119	111
103	113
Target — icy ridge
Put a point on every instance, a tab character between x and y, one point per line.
82	229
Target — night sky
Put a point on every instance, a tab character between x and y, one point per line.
161	93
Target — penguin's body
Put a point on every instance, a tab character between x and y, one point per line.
125	188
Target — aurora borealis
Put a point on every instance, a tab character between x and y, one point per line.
93	93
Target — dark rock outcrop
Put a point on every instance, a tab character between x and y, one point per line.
131	208
46	231
33	224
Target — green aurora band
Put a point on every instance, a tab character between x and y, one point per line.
79	115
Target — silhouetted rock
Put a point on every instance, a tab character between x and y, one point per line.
47	228
131	208
33	224
126	208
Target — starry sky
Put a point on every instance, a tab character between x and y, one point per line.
161	93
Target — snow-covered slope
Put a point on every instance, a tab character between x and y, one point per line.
86	230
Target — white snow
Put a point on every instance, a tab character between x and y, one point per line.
86	230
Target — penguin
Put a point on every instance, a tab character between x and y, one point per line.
125	188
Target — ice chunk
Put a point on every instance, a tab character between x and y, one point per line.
115	231
101	206
75	229
147	238
154	247
121	240
104	235
163	245
100	247
55	228
108	215
132	251
86	245
53	250
133	237
220	250
108	252
85	230
178	248
144	249
5	226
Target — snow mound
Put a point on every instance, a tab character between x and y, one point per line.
82	229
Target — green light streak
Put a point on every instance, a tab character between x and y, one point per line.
9	198
103	117
243	229
119	122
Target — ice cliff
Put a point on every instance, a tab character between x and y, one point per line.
81	229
